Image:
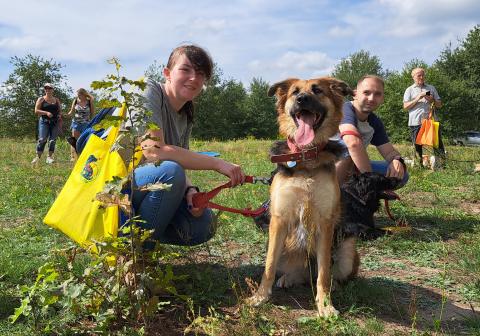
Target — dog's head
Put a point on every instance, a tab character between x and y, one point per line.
309	111
369	188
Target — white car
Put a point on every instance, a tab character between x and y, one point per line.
469	138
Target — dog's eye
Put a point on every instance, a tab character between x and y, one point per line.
295	92
317	90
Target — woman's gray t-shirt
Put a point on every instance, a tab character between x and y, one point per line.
175	125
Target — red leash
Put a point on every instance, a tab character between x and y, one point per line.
202	199
394	196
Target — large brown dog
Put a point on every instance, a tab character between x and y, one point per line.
305	197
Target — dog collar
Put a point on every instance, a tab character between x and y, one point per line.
298	155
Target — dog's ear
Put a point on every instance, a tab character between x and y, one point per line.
340	87
281	88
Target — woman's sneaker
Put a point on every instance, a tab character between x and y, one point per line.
50	160
35	160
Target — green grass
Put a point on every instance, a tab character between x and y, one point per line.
404	277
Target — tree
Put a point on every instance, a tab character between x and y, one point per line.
462	67
155	71
261	116
455	95
226	111
21	90
394	117
220	112
357	65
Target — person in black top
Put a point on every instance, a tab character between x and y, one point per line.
49	124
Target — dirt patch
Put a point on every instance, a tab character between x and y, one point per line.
471	207
424	306
28	218
420	199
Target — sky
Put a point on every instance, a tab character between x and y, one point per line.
268	39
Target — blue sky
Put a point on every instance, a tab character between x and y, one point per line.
252	38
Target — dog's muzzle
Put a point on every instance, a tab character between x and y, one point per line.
307	104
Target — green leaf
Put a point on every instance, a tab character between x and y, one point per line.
97	85
109	121
24	309
152	126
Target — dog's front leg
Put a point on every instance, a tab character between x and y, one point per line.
276	240
324	251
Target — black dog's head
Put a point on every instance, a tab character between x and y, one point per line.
361	196
370	187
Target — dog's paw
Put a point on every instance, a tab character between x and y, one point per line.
257	299
288	280
327	311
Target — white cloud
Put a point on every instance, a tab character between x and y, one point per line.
294	64
338	31
19	44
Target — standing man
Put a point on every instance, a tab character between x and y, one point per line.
417	100
361	127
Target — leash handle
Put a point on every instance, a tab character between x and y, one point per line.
202	199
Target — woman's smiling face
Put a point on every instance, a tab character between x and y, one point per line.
183	81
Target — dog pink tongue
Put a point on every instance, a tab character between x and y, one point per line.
304	133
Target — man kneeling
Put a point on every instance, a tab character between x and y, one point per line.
361	127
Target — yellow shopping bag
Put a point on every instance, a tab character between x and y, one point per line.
436	126
76	212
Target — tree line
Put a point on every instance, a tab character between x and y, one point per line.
229	110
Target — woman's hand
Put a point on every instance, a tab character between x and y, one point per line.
233	171
49	114
196	212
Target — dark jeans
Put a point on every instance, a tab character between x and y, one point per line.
47	130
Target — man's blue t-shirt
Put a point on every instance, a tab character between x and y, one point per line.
371	130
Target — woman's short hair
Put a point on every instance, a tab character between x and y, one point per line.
198	56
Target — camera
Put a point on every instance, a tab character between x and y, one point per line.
427	93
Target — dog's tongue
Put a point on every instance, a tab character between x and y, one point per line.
305	134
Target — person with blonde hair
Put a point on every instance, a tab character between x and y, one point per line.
48	108
82	110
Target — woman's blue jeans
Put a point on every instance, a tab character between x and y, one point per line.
47	130
166	211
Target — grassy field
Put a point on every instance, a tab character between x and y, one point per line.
422	282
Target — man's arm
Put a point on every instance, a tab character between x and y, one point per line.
435	97
407	105
390	154
357	151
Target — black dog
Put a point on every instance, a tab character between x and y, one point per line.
361	196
